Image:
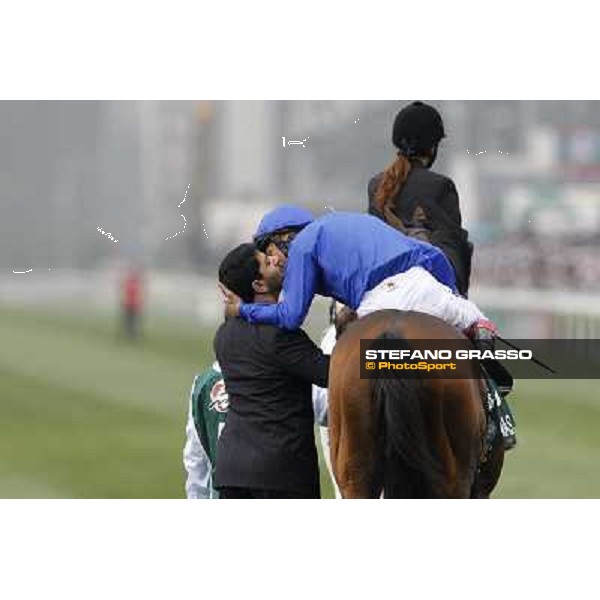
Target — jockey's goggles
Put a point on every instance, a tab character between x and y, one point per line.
283	246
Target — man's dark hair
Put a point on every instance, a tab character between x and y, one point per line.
239	269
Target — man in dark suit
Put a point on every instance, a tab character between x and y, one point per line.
267	447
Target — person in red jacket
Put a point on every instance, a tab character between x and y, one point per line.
132	303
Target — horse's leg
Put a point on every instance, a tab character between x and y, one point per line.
354	422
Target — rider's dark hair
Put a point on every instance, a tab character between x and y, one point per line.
239	269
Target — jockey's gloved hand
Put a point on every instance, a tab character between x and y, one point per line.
483	334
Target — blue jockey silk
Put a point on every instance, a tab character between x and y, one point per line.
343	256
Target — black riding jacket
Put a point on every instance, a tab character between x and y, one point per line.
428	206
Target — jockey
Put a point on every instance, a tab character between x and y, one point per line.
417	201
361	262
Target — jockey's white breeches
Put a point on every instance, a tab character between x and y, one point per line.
418	290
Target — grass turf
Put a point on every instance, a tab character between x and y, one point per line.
86	414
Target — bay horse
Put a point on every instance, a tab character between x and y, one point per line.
407	437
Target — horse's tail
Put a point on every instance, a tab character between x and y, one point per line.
411	469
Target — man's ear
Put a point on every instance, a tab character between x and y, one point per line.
259	287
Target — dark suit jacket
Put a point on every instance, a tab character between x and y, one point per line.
436	196
268	440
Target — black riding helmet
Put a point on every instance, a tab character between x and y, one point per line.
418	127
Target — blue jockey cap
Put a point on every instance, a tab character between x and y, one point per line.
283	217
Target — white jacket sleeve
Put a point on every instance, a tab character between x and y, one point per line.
198	484
320	396
320	403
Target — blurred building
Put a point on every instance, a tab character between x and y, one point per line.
168	149
66	168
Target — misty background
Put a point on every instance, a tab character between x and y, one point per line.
527	172
89	411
